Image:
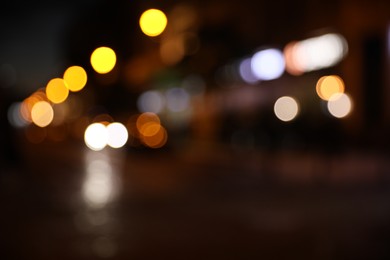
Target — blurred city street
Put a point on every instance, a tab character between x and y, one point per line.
195	130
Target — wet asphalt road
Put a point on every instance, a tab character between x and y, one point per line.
202	202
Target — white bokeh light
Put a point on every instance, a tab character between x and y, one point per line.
268	64
246	73
96	136
319	52
151	101
178	99
286	108
14	115
340	105
117	135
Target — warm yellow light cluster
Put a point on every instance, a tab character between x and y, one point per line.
150	130
331	89
146	128
38	108
74	79
329	85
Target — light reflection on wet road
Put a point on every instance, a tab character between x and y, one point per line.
199	203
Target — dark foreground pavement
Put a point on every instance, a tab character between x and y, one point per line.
202	202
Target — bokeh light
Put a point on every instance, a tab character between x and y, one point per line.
151	101
14	115
156	140
75	78
117	135
146	118
178	99
103	60
57	91
29	102
153	22
340	105
42	114
96	136
172	50
292	64
286	108
329	85
268	64
150	131
246	72
315	53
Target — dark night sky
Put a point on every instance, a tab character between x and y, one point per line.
31	34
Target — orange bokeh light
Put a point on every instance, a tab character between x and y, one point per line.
328	86
158	140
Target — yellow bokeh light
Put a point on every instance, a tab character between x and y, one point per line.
57	91
328	86
153	22
42	114
75	78
29	102
103	60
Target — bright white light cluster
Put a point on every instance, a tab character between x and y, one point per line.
297	57
316	53
97	136
268	64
